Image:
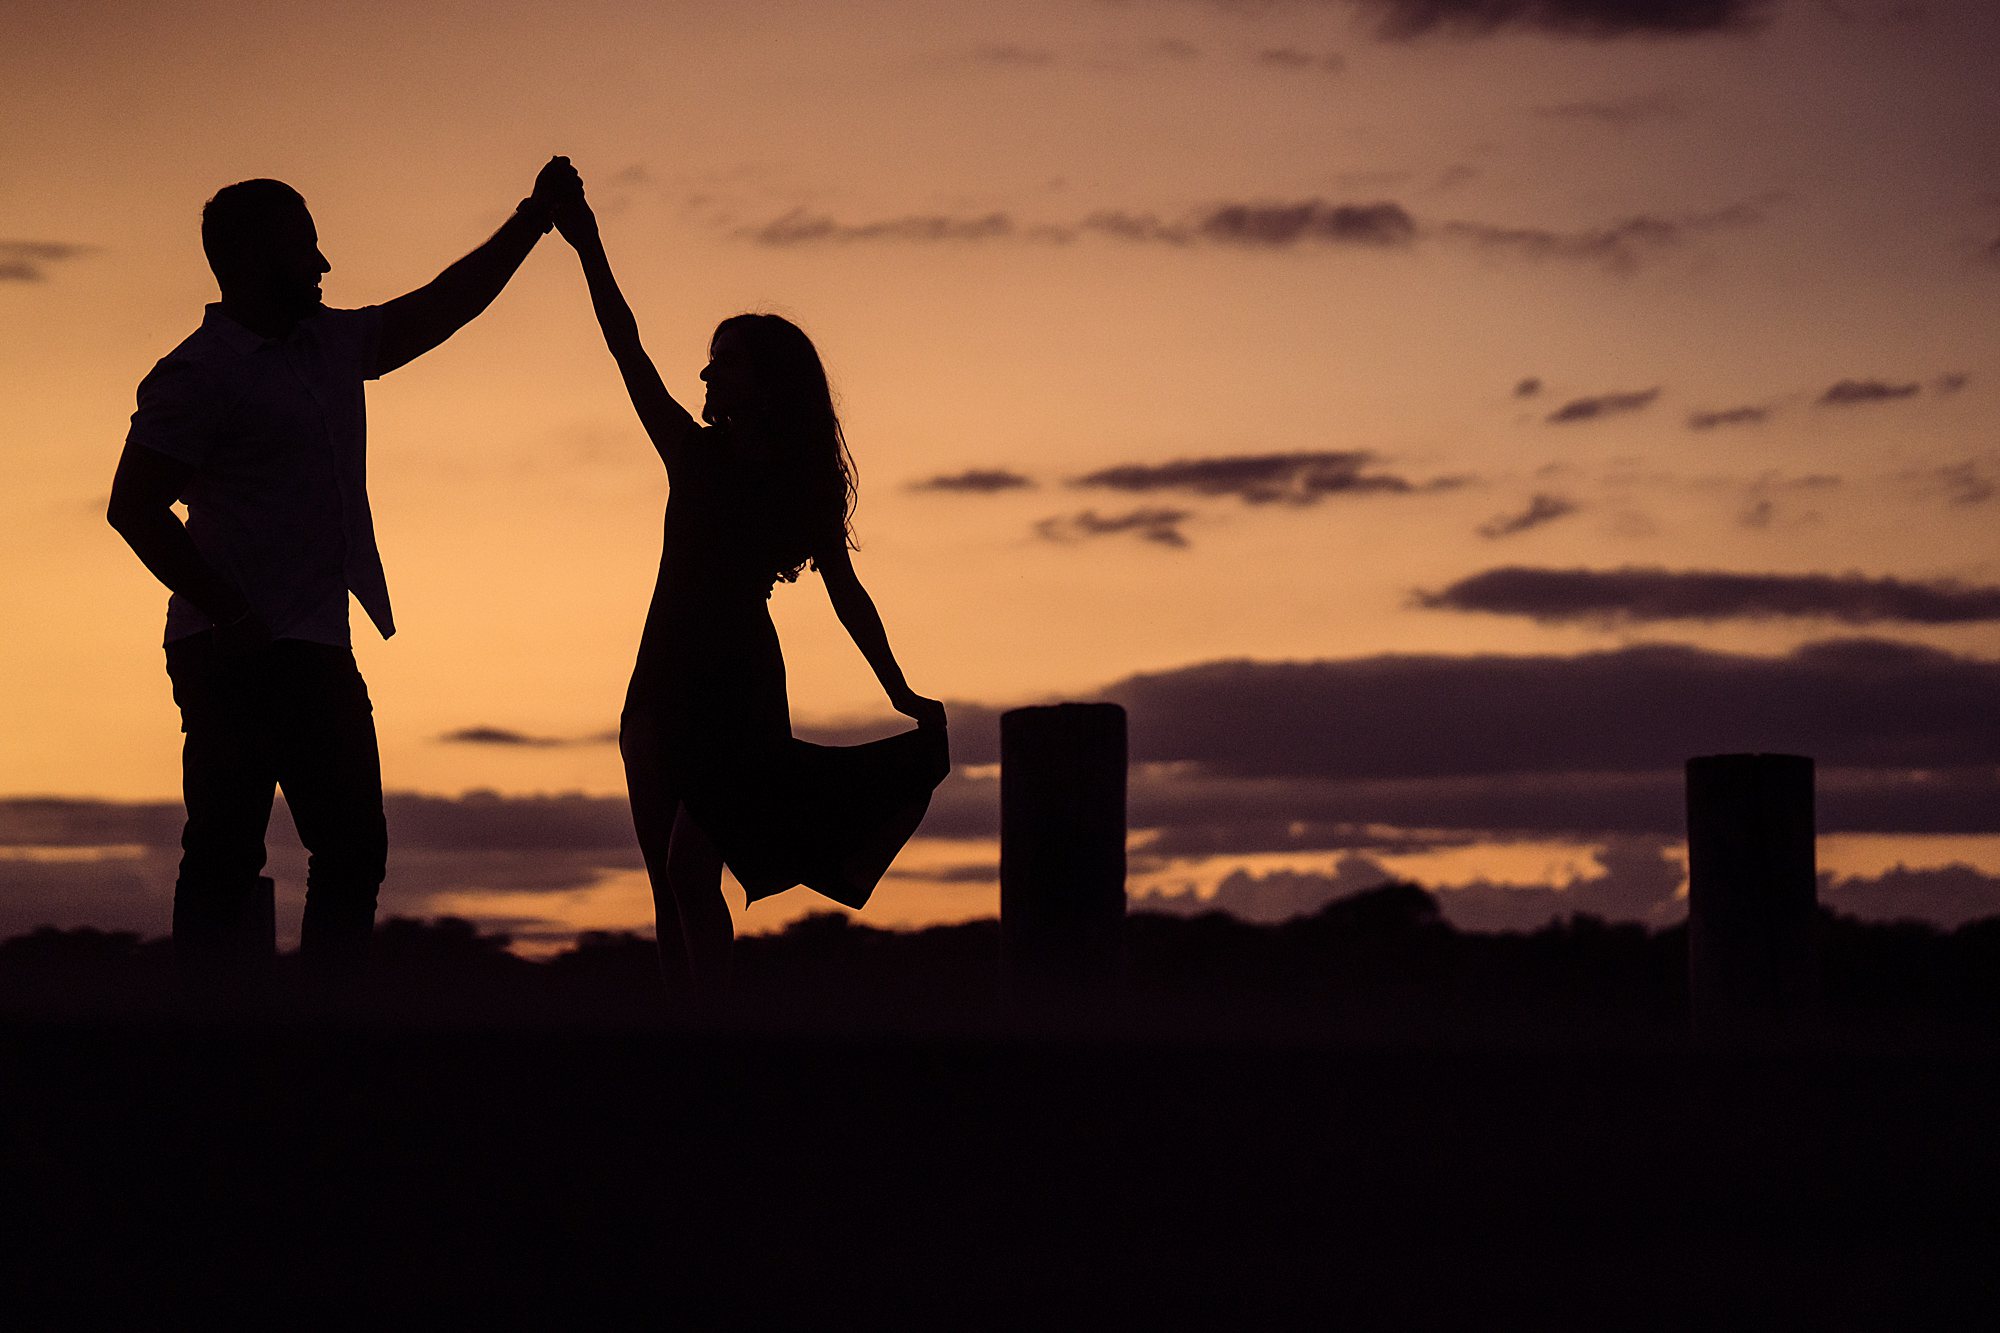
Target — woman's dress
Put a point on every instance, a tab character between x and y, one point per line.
707	701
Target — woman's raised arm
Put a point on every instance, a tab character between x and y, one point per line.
667	423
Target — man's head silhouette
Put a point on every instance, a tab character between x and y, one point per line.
262	244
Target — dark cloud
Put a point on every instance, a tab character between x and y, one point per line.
1174	48
1759	513
1197	814
1967	483
1772	495
1948	384
1602	405
800	227
1123	226
1633	817
975	725
972	872
1280	225
1182	811
1528	387
487	820
43	821
487	843
1642	594
1177	813
1846	393
1290	478
1159	526
1258	757
1291	57
481	841
1921	800
979	481
115	890
1620	246
1401	753
1310	223
1947	896
1278	895
1619	113
1191	808
1379	755
1860	703
1541	509
1265	225
1402	20
115	863
967	804
1203	819
1639	879
504	737
28	261
1728	416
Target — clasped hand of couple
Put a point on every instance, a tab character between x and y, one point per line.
559	189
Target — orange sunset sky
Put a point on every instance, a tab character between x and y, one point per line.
1272	327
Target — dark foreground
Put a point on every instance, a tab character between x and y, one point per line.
1361	1119
162	1175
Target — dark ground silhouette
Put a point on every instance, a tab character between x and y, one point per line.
1361	1117
1382	966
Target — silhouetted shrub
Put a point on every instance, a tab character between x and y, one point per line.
1382	963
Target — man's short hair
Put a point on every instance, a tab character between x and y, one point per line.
236	223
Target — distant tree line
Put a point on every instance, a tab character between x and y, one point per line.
1381	964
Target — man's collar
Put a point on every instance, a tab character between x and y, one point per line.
235	336
240	337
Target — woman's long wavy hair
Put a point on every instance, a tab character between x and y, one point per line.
812	494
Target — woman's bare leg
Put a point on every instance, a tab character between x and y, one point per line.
655	806
694	880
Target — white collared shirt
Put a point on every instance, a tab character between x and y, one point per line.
276	432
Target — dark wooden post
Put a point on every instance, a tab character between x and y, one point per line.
1753	894
1062	845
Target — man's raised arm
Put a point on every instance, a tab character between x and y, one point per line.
415	323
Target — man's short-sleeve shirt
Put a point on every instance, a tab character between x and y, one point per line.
276	433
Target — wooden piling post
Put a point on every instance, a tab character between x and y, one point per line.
1753	894
1062	846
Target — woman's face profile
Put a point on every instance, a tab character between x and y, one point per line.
729	379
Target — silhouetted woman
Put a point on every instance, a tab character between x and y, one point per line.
711	766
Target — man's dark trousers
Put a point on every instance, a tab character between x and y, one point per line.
294	715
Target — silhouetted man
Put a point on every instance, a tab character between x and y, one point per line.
256	422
